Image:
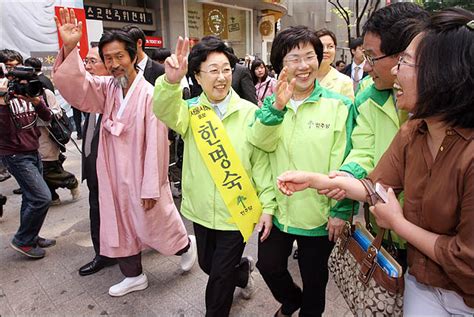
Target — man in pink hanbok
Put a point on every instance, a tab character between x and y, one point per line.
136	206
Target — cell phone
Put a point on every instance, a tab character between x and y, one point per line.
381	192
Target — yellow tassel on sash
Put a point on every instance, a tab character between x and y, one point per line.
226	169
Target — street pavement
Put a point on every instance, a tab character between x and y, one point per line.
52	286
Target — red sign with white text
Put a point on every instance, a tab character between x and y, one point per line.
154	41
84	43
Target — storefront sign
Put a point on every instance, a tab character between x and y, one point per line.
234	26
154	41
118	15
215	20
195	20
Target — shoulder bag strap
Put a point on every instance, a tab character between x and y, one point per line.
265	91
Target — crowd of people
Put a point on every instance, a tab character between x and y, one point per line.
283	155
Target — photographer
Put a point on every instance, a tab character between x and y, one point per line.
20	107
54	173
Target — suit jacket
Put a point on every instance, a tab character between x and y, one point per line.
89	170
348	71
46	82
152	71
242	83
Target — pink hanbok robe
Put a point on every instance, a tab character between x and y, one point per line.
132	161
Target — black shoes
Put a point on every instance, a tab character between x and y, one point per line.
97	264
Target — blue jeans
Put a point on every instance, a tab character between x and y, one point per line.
28	172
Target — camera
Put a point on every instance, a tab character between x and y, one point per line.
23	81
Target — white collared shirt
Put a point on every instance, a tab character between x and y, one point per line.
221	107
361	70
142	64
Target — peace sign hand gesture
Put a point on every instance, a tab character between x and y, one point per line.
69	29
176	66
284	90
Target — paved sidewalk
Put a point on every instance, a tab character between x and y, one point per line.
52	286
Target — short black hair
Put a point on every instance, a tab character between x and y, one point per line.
120	36
161	54
135	33
12	55
292	37
445	70
256	63
34	62
323	32
340	62
201	50
354	43
393	25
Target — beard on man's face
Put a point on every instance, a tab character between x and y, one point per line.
120	77
121	81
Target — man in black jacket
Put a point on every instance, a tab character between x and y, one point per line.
151	69
355	70
90	144
242	82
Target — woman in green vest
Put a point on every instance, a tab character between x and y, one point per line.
307	126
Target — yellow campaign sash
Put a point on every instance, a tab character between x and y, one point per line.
226	169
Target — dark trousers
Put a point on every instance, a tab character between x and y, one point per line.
131	266
56	177
220	257
77	115
313	255
28	172
94	213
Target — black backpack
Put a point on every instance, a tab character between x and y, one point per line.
60	129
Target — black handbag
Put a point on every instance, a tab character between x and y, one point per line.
60	129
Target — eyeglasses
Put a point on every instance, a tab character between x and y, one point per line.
371	60
296	60
215	72
402	61
91	61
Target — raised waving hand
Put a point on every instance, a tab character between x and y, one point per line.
69	29
176	66
284	90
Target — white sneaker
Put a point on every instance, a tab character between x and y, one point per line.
76	193
189	258
248	290
128	285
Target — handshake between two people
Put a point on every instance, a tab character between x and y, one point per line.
331	185
339	185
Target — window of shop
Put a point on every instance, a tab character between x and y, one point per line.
232	24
